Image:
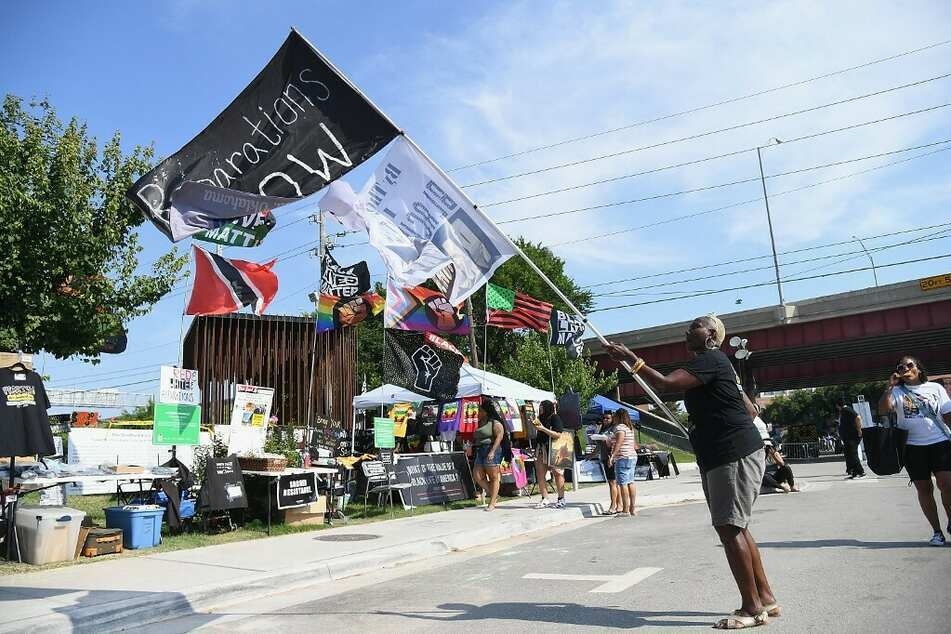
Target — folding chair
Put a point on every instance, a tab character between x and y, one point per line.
382	480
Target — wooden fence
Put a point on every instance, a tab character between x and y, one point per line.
273	351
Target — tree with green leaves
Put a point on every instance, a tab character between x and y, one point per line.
817	406
69	275
533	362
139	412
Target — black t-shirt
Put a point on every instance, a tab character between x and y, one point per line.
555	424
847	429
24	425
722	430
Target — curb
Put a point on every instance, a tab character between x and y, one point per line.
138	611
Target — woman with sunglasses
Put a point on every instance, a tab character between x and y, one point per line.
924	409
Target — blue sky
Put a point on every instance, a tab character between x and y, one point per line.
475	81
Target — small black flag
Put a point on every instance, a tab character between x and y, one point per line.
343	281
566	330
419	363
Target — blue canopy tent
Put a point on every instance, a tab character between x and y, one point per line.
600	404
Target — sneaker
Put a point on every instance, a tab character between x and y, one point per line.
937	539
560	504
542	505
860	475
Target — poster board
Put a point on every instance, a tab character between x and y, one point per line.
589	471
176	424
383	437
561	452
96	445
177	417
298	489
249	419
435	478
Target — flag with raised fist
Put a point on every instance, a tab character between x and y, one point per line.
418	362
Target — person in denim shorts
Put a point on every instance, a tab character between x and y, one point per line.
624	459
488	452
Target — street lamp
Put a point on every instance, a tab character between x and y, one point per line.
769	218
874	274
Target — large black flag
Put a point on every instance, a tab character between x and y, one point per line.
566	330
343	281
296	127
421	363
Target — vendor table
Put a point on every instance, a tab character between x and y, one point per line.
274	475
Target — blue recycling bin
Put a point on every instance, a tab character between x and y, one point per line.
141	528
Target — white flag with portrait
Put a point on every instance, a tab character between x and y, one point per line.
420	222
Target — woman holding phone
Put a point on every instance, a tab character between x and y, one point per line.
924	409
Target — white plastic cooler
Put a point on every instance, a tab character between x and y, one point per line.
48	533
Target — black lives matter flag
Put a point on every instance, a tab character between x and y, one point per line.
567	330
422	363
296	127
343	281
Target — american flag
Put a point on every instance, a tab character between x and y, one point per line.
527	312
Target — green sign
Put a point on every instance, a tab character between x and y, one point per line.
176	424
383	436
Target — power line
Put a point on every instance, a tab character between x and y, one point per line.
757	257
615	179
771	283
718	186
749	201
701	135
108	387
629	292
702	108
111	372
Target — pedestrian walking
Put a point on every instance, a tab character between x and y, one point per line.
488	453
549	426
604	451
729	454
924	409
850	430
624	459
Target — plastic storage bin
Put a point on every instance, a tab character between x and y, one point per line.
141	527
48	533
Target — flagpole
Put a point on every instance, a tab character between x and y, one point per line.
313	349
640	381
551	367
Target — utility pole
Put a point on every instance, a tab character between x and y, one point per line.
769	221
874	274
321	247
472	340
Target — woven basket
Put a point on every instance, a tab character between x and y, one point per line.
262	464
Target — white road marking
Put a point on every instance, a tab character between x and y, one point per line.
612	583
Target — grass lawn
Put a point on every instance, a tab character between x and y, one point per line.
254	529
681	456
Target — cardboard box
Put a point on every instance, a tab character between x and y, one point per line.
121	469
310	514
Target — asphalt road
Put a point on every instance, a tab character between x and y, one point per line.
843	556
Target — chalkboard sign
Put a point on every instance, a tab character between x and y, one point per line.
435	478
296	490
223	488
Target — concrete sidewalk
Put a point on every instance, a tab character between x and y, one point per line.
124	593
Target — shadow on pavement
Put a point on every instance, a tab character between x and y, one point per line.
844	543
97	602
557	613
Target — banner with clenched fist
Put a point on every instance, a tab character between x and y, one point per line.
422	310
412	361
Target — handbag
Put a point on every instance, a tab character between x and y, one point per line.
885	449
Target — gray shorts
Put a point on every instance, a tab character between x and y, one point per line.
731	489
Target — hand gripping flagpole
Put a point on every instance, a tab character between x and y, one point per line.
640	381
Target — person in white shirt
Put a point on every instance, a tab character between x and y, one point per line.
924	409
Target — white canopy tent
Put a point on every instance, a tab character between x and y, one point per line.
472	382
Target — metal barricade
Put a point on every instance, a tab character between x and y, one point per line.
801	450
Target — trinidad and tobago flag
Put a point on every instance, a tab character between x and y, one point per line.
226	286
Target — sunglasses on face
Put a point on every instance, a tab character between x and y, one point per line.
901	367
